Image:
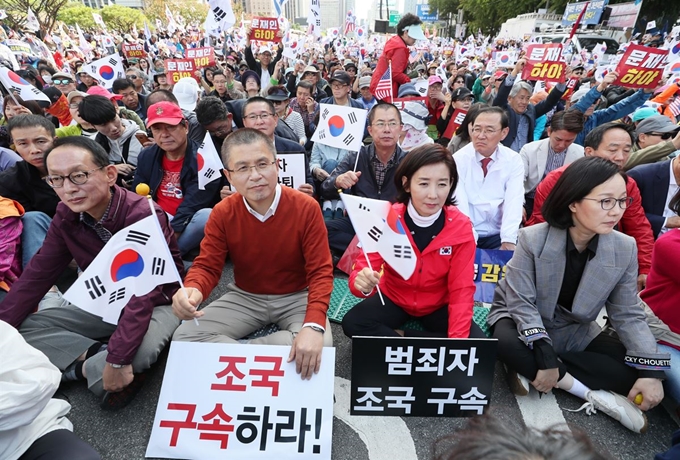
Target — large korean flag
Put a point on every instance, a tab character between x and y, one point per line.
209	163
106	69
340	127
15	84
134	262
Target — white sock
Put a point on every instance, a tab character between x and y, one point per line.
573	386
339	204
327	204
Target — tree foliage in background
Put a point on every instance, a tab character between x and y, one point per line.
488	15
45	10
77	13
122	18
191	10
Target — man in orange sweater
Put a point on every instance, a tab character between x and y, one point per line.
283	274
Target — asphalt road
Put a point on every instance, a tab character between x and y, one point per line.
123	435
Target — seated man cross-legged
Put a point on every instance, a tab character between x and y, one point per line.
277	241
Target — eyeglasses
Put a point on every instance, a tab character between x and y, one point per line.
383	125
76	178
262	116
73	106
262	166
62	82
131	77
278	102
487	132
663	136
338	86
609	203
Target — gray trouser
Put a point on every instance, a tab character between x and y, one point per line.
66	332
239	313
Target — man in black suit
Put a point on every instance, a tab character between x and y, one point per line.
658	183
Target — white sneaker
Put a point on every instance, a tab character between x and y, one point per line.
519	384
617	407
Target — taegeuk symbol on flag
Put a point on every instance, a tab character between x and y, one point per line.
15	84
209	163
106	69
340	127
134	262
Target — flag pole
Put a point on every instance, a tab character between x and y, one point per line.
356	161
9	90
158	224
391	85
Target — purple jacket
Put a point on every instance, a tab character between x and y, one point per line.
68	238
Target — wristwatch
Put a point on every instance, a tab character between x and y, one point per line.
316	328
117	366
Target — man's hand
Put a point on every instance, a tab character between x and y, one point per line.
124	169
310	103
519	67
507	247
116	380
306	351
366	280
651	390
307	189
347	180
641	282
185	307
607	80
320	174
225	192
546	379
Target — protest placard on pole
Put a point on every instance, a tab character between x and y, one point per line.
133	50
421	376
545	62
641	67
242	401
265	29
179	68
203	57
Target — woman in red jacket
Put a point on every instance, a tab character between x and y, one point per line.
396	50
440	291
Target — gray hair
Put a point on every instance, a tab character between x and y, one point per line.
519	86
245	136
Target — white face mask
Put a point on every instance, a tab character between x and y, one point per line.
47	79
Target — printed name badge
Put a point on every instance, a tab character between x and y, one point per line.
421	377
222	401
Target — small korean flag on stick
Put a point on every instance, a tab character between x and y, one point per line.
106	69
395	247
15	84
209	163
340	127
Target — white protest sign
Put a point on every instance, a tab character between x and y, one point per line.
291	169
242	401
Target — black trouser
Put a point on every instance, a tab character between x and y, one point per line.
373	319
60	445
489	242
340	233
600	366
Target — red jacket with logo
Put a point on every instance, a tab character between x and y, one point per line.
444	274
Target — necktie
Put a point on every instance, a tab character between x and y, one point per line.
485	164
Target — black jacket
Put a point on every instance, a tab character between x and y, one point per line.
22	183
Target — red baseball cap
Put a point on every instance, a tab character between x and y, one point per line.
500	75
163	112
101	91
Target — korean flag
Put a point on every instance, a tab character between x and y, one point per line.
209	162
340	127
24	89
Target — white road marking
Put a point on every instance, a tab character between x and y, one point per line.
378	433
540	413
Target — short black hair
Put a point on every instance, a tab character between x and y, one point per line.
305	85
97	110
423	156
577	181
497	110
382	106
594	137
218	72
256	99
31	121
159	95
99	156
409	19
245	136
121	84
210	109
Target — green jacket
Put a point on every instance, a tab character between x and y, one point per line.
650	154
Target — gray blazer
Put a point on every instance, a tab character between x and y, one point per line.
535	157
528	294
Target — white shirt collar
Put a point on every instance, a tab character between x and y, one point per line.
272	209
480	157
672	178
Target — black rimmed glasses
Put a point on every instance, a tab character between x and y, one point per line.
609	203
76	178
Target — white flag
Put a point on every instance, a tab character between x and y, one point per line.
651	25
341	127
209	163
98	20
222	13
314	18
106	69
84	46
368	218
15	84
134	262
379	229
32	21
598	53
172	25
147	31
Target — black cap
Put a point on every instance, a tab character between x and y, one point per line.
277	94
460	93
341	76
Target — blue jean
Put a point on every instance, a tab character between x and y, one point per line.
329	165
672	383
193	233
33	235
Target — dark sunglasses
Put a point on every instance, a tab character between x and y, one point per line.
62	82
131	77
663	136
